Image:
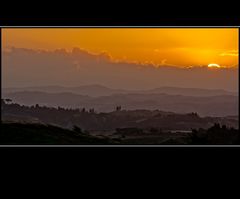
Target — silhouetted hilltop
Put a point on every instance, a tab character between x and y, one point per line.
219	105
89	119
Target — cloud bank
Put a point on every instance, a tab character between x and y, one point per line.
29	67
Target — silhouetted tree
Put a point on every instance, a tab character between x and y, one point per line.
8	100
60	108
91	110
215	135
118	108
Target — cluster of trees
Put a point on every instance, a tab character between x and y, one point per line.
118	108
37	106
65	117
123	122
126	122
216	134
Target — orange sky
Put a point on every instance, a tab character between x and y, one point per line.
161	46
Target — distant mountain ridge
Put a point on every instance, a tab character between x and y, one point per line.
191	91
219	105
96	90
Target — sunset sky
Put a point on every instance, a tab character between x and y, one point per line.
181	47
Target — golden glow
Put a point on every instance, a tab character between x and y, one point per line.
213	66
182	47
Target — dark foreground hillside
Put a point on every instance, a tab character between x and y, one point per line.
108	121
35	134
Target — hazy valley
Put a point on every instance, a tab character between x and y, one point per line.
205	102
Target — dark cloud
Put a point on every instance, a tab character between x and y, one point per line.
28	67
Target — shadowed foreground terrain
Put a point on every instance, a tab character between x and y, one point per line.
47	125
34	134
19	133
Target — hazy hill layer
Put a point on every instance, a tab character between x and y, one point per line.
99	90
220	105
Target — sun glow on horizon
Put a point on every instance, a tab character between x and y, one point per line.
214	66
159	46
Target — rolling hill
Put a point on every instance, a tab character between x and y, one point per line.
96	90
219	105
